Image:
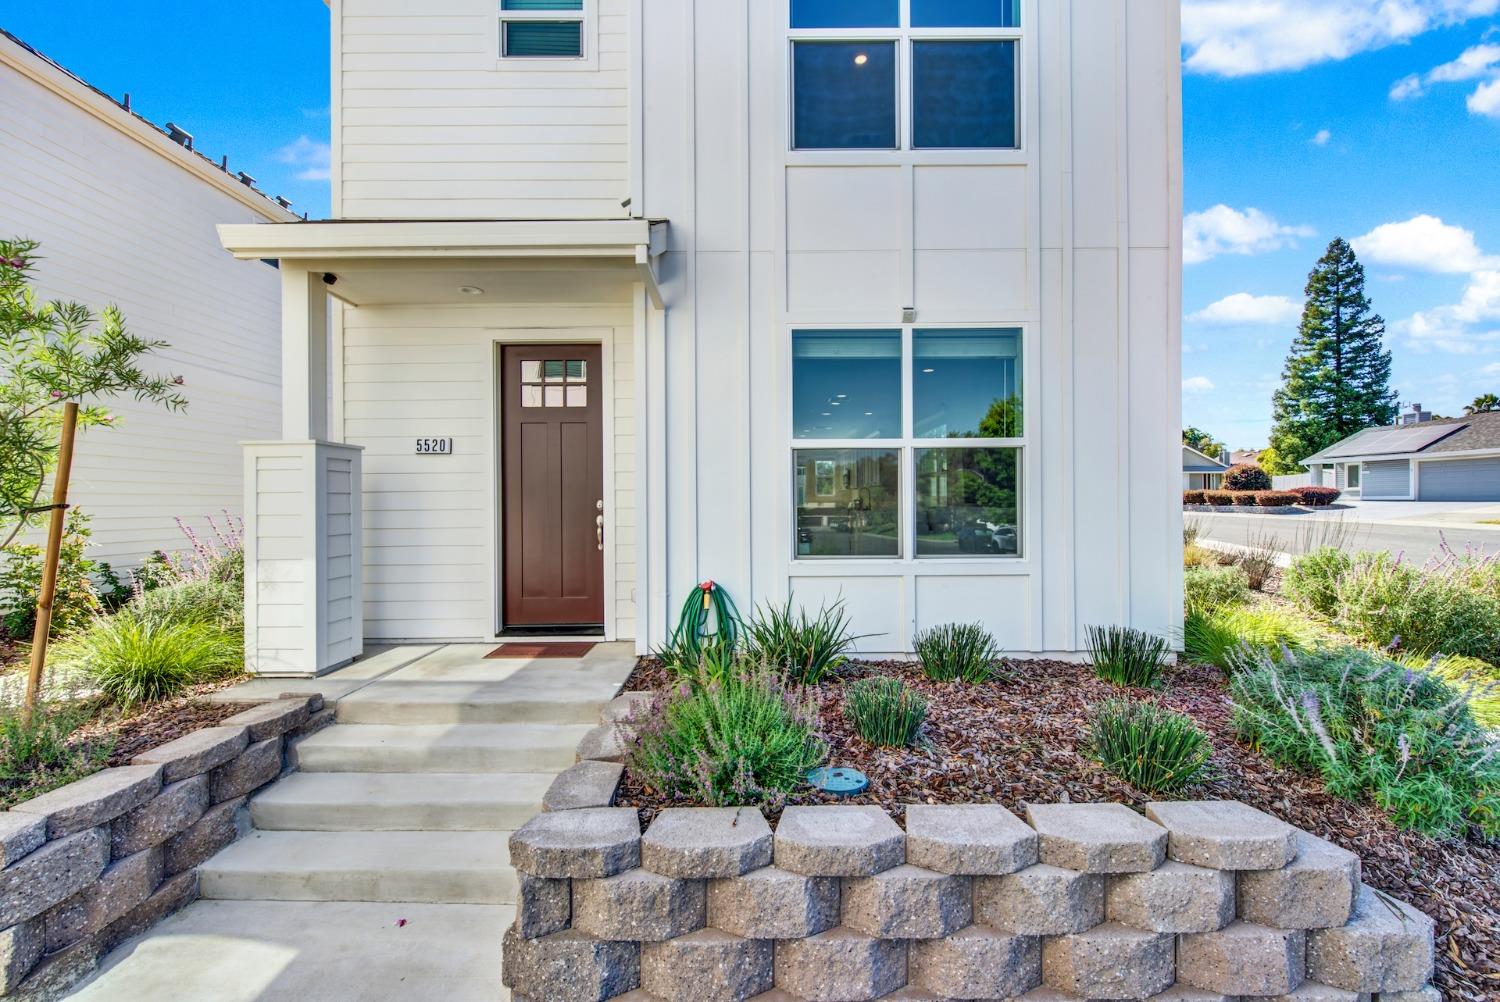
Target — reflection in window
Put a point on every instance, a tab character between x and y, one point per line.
965	13
964	95
846	384
555	383
968	502
542	40
844	95
846	13
966	384
848	502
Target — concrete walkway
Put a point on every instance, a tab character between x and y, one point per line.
379	869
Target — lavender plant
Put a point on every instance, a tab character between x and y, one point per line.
1372	727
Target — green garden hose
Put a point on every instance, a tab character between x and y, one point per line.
709	614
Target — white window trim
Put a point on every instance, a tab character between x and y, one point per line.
906	447
588	17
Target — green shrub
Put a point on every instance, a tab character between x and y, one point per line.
198	601
958	651
1127	657
1151	748
705	657
1246	477
740	740
1207	588
21	583
804	647
1371	727
1449	606
1312	581
885	711
42	743
1477	680
135	658
1223	637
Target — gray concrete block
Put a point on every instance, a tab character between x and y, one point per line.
1041	900
1110	961
1224	835
272	720
122	886
172	810
1097	838
587	784
202	838
707	966
976	963
605	743
569	966
595	842
1316	890
624	705
771	903
972	839
639	905
838	841
94	800
1311	991
707	842
196	753
1427	993
52	874
1175	897
1243	959
840	965
543	906
19	835
907	902
21	946
253	768
1387	946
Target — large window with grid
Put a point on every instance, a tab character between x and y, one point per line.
907	442
905	74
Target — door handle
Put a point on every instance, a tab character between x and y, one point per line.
599	523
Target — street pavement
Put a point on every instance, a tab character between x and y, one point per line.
1415	531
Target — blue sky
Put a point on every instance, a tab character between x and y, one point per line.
1303	120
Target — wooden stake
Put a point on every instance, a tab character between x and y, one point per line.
54	548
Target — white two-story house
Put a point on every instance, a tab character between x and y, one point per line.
871	300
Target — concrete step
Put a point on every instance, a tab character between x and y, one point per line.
430	867
507	748
377	801
535	695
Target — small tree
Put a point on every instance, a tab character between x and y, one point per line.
1486	404
1278	465
51	353
1197	438
1247	477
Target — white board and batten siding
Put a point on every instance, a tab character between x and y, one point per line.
430	124
431	541
121	220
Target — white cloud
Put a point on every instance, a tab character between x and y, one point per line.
1245	310
1222	230
1321	137
1197	384
1493	369
1232	38
1422	243
1478	62
311	157
1407	88
1485	100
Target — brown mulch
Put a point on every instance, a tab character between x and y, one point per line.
1016	742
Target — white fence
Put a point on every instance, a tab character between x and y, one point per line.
1295	480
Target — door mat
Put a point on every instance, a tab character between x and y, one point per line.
561	650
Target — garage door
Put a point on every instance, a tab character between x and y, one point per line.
1461	480
1387	479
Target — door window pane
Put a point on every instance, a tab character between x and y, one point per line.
966	384
967	502
846	384
848	502
965	13
964	95
844	95
554	39
846	13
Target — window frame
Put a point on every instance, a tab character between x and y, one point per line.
904	36
907	445
588	37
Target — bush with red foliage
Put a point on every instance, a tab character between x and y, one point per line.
1218	498
1276	499
1317	497
1247	477
1193	497
1246	499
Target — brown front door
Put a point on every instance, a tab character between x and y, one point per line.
552	486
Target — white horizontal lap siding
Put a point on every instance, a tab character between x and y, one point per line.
118	223
430	522
432	124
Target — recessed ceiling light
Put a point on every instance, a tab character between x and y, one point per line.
869	413
861	59
471	290
929	371
826	414
843	396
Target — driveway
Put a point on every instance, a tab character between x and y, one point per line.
1414	529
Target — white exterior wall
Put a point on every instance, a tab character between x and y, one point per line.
120	222
430	124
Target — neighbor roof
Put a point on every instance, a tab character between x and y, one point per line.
1194	461
1476	433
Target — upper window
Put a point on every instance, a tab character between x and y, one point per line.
949	69
541	29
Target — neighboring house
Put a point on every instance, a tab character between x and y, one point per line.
1243	457
874	301
126	215
1455	459
1201	472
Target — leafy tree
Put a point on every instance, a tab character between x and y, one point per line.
1337	376
1197	438
1276	464
1485	404
52	353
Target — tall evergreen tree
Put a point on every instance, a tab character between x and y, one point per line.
1337	376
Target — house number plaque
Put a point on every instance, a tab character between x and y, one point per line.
434	446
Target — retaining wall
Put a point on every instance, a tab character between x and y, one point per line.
1193	902
95	862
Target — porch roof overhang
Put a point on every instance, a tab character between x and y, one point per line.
622	245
